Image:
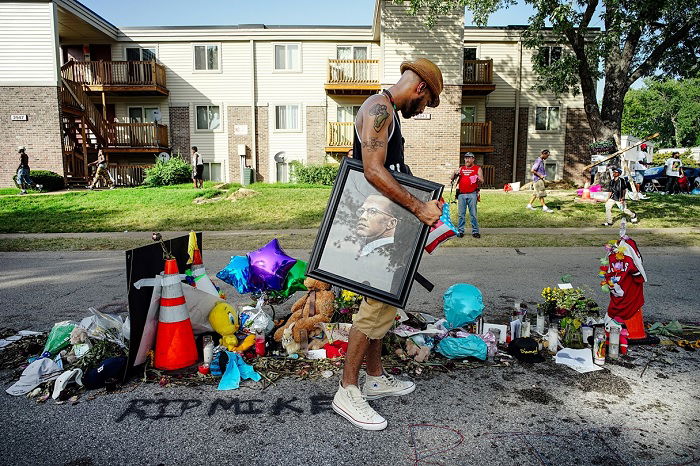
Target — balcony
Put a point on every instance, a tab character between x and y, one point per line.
339	137
352	77
118	77
478	77
476	137
137	137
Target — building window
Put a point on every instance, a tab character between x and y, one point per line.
208	117
470	53
549	55
144	115
547	119
347	113
206	58
140	54
287	57
468	114
287	118
212	171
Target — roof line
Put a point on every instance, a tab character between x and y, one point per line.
247	26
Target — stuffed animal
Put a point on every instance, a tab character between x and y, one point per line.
288	343
224	320
316	306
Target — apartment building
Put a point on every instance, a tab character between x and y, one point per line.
259	96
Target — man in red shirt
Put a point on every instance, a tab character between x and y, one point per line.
469	175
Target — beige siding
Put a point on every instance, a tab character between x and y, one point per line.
28	44
505	71
405	37
552	140
292	143
531	97
480	104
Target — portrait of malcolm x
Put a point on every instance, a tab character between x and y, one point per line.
376	225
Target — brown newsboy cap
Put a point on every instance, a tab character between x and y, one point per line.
428	72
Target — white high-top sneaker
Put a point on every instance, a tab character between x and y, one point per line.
386	385
352	405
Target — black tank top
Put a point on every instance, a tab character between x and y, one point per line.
394	149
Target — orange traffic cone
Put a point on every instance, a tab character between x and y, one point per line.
635	326
586	191
201	279
175	344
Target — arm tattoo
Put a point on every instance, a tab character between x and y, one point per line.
380	116
373	144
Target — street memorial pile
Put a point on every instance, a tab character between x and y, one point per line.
181	330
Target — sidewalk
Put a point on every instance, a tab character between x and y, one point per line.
312	231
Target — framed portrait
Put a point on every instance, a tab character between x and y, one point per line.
367	243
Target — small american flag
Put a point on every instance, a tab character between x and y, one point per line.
442	231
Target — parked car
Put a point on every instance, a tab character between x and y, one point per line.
655	179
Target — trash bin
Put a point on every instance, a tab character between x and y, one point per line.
248	176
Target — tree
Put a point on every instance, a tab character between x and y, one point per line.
640	38
670	107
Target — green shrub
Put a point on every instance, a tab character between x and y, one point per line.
661	157
174	171
314	174
49	180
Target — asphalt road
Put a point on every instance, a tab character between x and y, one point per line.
521	414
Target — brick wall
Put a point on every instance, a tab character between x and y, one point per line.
432	146
315	135
576	153
262	141
503	125
238	116
180	131
40	134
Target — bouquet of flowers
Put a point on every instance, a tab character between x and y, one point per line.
346	304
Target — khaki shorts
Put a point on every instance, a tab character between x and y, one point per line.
374	319
539	189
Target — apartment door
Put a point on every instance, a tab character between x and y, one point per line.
138	72
356	71
142	135
470	72
343	135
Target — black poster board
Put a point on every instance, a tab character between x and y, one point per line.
147	262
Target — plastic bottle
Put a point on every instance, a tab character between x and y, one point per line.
599	346
525	329
207	349
614	342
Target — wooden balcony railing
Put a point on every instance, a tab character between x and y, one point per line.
353	72
138	135
128	175
339	134
476	134
478	71
489	175
115	73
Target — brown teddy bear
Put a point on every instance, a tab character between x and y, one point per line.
316	306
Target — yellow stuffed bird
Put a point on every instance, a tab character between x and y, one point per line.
224	320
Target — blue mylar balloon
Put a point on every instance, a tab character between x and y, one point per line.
463	303
237	273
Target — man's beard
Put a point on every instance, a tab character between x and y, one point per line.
411	109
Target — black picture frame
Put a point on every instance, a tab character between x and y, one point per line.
343	254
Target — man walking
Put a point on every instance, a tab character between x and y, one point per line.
101	174
469	175
378	144
197	168
617	191
673	172
539	173
23	179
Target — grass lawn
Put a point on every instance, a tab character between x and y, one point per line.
281	207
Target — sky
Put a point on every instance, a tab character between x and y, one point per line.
277	12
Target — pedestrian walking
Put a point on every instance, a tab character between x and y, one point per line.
674	167
378	144
539	173
469	177
23	179
197	168
101	174
617	189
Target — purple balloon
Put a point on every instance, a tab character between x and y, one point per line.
269	266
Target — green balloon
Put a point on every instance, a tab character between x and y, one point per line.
293	282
